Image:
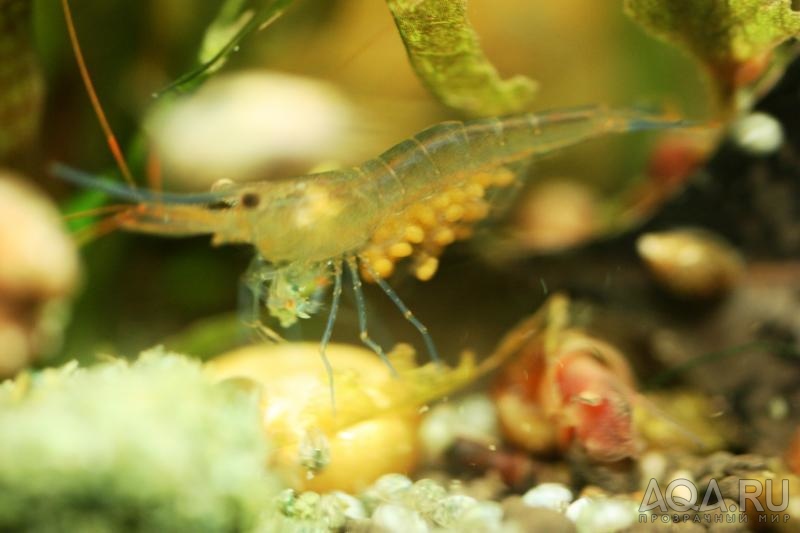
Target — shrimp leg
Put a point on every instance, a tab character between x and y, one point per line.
406	313
250	290
362	316
326	336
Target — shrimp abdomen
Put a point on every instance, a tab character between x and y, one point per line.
444	154
497	141
431	186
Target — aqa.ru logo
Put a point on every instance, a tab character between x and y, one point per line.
682	496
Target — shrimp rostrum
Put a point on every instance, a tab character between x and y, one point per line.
409	202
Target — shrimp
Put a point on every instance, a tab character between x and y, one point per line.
411	201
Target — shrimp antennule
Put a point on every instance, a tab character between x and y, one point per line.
125	192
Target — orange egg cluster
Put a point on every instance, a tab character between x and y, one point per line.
423	230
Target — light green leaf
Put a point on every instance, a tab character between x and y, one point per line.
722	34
235	20
445	53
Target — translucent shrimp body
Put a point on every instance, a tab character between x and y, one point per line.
435	182
333	214
411	201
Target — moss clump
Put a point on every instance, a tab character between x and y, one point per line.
150	446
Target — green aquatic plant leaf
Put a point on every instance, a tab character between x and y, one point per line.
81	202
722	34
235	20
444	51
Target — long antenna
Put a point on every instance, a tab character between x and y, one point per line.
98	109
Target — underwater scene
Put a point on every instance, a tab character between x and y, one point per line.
399	266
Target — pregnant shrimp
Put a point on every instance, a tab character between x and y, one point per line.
409	202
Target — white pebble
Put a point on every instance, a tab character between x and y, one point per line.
392	487
477	418
576	508
653	465
473	417
391	518
682	493
553	496
243	124
758	133
484	516
332	512
389	488
425	496
607	515
351	506
452	508
437	431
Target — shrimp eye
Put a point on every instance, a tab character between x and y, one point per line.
250	200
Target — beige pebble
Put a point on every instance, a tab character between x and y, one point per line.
39	271
691	263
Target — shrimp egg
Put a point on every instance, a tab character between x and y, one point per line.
316	448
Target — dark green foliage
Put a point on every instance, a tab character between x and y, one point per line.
21	86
